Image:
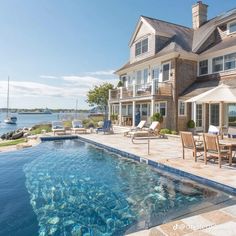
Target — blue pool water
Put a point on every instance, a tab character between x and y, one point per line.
73	188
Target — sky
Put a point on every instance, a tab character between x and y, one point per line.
54	51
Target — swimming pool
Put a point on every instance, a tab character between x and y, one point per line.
70	187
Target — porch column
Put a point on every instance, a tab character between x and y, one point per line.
133	114
153	87
120	115
109	111
152	107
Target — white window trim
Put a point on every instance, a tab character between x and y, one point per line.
228	26
162	65
207	67
159	106
222	62
185	113
142	53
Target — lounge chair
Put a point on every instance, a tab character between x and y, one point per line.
58	127
106	128
188	142
138	127
231	132
151	131
213	149
77	126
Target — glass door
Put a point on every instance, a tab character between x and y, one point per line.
199	117
232	114
215	114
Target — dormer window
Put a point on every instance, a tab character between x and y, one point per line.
232	27
141	47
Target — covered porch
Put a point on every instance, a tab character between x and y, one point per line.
130	113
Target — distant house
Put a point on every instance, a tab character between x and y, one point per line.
170	63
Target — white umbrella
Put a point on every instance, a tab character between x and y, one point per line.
222	93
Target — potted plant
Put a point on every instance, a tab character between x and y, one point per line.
191	126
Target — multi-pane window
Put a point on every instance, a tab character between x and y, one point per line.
230	61
166	72
160	107
217	64
203	67
144	109
214	114
182	108
139	77
232	27
155	73
130	110
123	110
141	47
145	76
198	115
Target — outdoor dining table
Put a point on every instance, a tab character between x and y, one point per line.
231	143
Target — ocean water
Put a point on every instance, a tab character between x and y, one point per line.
70	188
30	120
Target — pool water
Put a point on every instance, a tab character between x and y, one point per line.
73	188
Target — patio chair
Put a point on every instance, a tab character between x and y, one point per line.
213	149
106	128
58	127
138	127
77	126
188	142
153	130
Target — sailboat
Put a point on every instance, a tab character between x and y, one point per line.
9	119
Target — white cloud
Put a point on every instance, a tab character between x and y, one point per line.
48	77
102	72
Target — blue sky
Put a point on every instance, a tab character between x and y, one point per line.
55	50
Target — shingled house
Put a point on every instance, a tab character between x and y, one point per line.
171	63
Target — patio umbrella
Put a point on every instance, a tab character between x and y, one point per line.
220	94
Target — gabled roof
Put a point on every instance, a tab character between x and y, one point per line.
202	33
226	43
183	36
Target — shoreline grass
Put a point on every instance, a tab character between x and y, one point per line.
12	142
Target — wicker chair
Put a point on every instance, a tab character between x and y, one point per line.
212	148
188	142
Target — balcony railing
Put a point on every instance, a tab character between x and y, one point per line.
114	94
154	88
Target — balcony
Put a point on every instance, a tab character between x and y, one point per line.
154	88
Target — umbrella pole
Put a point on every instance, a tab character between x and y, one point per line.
221	120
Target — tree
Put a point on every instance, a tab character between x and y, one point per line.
99	96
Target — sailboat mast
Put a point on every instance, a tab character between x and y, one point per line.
8	96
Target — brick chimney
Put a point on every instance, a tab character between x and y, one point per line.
199	14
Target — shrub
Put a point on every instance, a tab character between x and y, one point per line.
191	124
165	131
157	117
174	132
37	129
